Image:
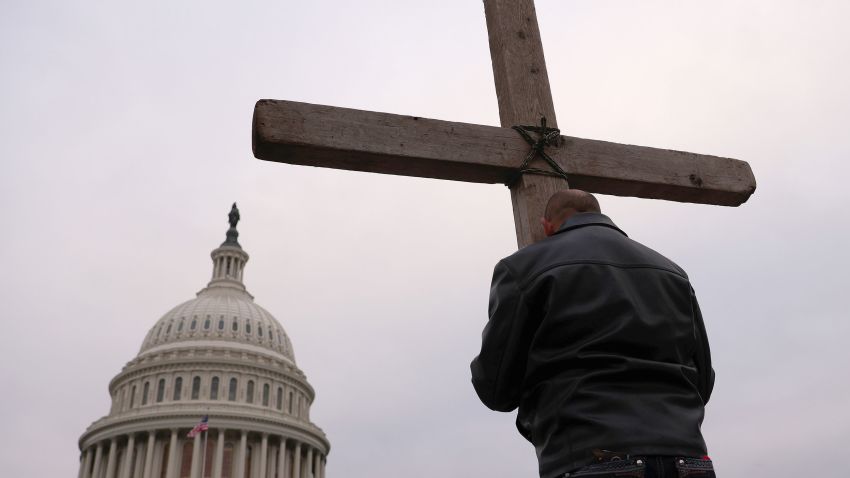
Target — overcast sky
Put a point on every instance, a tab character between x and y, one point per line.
125	137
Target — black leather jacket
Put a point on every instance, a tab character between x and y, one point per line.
600	343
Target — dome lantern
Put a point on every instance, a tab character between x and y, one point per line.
229	259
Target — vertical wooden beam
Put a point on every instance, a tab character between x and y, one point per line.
522	88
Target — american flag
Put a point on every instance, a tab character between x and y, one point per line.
200	427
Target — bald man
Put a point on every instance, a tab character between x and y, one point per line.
599	341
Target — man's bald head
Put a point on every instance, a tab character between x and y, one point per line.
564	204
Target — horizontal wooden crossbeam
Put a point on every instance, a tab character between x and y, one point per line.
342	138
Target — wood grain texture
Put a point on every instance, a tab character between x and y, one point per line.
519	67
522	89
342	138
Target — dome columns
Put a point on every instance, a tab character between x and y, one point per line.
296	462
281	459
172	456
264	453
228	264
197	448
228	267
149	452
235	454
309	461
128	457
98	456
218	460
111	461
86	465
243	450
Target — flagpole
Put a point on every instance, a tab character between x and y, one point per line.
204	458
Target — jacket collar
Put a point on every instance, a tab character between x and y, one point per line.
583	219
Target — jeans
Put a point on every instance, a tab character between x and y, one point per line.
648	467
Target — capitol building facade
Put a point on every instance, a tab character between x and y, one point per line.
219	355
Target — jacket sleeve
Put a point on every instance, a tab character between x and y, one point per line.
702	353
499	369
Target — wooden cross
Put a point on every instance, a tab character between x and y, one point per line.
341	138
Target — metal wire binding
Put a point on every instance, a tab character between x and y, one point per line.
546	137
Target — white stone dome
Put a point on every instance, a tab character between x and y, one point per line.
222	357
220	316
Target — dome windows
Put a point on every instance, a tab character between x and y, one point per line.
145	391
215	385
223	385
157	389
196	388
214	389
219	317
178	388
231	391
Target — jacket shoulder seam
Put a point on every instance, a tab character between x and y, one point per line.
534	277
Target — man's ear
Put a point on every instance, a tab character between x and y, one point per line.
548	227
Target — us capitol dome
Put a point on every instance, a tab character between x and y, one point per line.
218	355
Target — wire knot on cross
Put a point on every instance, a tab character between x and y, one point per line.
545	137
